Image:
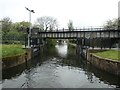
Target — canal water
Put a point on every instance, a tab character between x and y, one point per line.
58	67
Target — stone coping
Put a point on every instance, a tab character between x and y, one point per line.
105	64
11	61
104	58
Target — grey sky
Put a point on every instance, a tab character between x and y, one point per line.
81	12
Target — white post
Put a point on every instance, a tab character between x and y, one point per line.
29	29
29	26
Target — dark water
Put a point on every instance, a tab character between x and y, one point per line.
58	67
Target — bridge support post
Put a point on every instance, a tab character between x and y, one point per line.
101	43
79	48
25	41
93	43
110	44
79	42
119	50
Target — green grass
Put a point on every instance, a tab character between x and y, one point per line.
73	44
11	50
110	54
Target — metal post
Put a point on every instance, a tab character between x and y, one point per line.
29	29
29	34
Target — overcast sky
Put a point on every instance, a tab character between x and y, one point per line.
81	12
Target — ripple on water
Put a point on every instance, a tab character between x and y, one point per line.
63	71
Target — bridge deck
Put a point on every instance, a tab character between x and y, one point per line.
78	34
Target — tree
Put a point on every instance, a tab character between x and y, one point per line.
20	26
13	37
71	28
111	24
46	23
6	24
70	25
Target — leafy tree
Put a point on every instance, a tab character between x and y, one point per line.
13	37
20	26
111	24
6	24
47	23
51	42
25	24
71	28
70	25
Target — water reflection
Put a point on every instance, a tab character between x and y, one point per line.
58	67
62	49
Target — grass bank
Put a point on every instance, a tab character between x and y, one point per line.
110	54
72	45
11	50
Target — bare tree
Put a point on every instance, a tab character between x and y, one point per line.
47	23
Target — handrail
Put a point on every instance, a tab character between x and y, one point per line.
88	29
